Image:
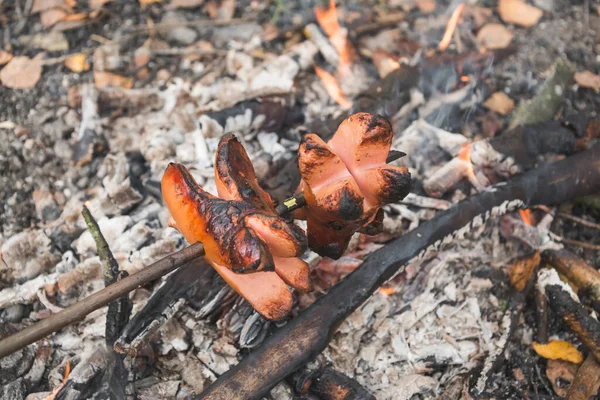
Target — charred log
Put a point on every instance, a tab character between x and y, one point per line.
308	334
329	384
576	318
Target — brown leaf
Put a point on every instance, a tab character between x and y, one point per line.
519	13
426	6
22	72
43	5
145	3
103	79
5	57
558	350
186	3
222	11
141	56
494	36
97	4
561	374
500	103
50	17
521	270
77	63
587	79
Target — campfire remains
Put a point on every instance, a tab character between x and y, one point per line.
481	282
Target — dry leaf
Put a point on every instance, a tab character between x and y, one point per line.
103	79
97	4
145	3
77	63
50	17
587	79
141	56
559	373
500	103
186	3
427	6
519	13
5	57
494	36
43	5
223	11
558	350
22	72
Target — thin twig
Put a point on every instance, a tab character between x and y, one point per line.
579	220
579	243
80	310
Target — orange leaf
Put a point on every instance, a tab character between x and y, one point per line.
77	63
104	79
500	103
521	270
22	72
558	350
333	88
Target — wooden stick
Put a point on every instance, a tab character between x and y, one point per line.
78	311
305	336
101	298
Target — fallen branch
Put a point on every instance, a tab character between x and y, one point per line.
576	270
304	337
329	384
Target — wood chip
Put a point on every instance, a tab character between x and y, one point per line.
559	373
186	3
77	63
145	3
22	72
98	4
103	79
494	36
5	57
519	13
427	6
587	79
500	103
558	350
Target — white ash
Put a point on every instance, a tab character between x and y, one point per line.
111	229
453	321
26	255
549	276
26	292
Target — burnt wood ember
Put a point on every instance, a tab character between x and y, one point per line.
576	318
304	337
329	384
269	114
586	277
525	143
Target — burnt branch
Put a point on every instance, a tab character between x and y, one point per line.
329	384
304	337
576	318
